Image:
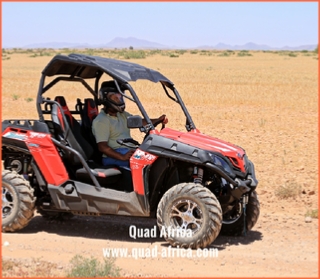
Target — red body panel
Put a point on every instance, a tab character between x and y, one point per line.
44	153
138	161
197	139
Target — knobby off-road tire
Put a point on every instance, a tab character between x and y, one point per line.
234	225
18	201
189	207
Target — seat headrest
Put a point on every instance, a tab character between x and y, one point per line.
91	109
61	100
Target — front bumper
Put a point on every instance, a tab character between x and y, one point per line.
239	186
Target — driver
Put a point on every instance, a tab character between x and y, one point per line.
111	124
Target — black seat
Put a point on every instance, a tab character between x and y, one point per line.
105	176
110	177
72	134
88	113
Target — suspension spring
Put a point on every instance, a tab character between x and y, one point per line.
198	175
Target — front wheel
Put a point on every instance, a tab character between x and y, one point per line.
189	216
233	223
18	201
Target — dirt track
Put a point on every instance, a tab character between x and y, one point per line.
279	245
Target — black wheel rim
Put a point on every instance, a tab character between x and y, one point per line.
8	203
186	215
233	215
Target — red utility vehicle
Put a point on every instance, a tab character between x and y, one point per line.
195	185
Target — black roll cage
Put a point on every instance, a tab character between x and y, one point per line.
98	73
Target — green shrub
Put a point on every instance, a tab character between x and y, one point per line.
180	51
225	54
15	97
133	54
244	53
292	54
155	51
89	268
5	56
173	55
313	213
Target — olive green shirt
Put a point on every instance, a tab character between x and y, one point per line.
107	128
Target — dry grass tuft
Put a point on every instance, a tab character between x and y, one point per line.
33	268
289	190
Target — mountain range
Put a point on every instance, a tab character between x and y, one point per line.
119	42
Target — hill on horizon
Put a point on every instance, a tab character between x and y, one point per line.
135	43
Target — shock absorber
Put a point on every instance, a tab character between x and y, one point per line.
25	169
197	175
245	200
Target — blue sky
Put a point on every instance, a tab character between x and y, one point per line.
181	24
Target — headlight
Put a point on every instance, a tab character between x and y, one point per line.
219	162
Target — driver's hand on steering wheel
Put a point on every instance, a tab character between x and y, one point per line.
163	119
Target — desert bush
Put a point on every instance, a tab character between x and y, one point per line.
180	51
173	55
34	268
292	54
5	56
313	213
89	51
206	52
132	54
15	97
289	190
89	268
155	51
244	53
224	54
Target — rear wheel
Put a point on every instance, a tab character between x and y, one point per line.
18	201
189	216
233	221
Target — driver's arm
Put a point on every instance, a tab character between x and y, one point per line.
162	119
107	150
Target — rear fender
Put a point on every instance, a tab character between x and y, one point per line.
41	148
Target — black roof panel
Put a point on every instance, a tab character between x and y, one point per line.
85	66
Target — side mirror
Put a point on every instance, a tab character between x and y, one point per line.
134	121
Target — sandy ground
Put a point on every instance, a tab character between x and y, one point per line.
270	108
280	244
